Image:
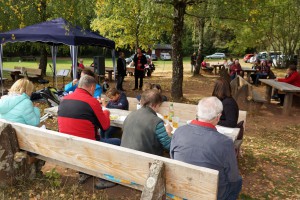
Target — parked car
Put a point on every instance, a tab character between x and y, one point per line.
165	56
153	57
216	55
262	56
247	57
129	59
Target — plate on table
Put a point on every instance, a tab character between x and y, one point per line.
114	117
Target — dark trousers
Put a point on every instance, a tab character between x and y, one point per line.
120	80
138	74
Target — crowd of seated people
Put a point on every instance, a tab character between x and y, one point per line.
81	114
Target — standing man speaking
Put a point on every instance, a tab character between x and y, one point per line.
139	62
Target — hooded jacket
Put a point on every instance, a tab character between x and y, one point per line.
19	108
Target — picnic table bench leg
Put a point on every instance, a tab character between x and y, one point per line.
155	186
287	105
268	93
109	76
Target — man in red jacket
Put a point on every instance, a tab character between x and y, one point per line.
292	77
81	115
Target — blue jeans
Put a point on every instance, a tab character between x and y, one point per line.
114	141
109	132
233	190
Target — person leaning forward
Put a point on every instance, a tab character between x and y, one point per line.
143	130
199	143
81	115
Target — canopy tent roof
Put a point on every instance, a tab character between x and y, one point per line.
56	32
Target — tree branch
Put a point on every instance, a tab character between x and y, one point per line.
208	17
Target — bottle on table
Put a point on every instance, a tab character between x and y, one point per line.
171	112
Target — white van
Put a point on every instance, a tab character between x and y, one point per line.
165	56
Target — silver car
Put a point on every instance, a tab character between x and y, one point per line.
217	55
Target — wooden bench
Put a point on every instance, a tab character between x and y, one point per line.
28	58
183	111
3	80
30	73
157	177
244	94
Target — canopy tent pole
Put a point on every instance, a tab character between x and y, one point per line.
113	56
1	68
54	53
74	51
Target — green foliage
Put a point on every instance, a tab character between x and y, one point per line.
130	23
53	177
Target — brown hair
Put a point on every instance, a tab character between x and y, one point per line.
222	89
157	87
22	86
88	72
146	86
151	98
112	92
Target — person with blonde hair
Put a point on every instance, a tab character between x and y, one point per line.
17	106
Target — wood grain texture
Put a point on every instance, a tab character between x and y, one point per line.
182	179
281	86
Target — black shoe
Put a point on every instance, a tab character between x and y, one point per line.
83	178
102	184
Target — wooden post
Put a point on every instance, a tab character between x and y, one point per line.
268	93
155	186
15	165
287	104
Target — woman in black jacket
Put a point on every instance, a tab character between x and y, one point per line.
230	112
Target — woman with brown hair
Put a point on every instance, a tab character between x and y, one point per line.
17	106
230	113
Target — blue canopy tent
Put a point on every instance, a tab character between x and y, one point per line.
56	32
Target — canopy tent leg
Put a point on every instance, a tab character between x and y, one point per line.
54	53
74	51
1	68
113	56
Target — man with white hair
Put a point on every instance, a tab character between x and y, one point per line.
199	143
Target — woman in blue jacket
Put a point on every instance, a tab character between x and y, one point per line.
17	106
73	85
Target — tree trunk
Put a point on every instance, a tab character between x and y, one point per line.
177	74
43	59
201	25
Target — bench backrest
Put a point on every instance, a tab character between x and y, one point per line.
184	111
125	166
33	71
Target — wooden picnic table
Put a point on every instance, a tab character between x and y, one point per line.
215	66
14	73
288	89
249	72
122	114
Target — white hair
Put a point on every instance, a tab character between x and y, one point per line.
209	108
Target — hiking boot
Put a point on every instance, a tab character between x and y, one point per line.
83	178
102	184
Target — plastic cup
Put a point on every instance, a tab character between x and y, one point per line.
175	122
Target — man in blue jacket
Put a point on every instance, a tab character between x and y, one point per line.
199	143
70	87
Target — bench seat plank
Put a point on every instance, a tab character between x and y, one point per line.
182	179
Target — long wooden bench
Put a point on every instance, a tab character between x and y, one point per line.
30	73
155	176
243	92
183	111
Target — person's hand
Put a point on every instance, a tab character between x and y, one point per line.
169	129
75	81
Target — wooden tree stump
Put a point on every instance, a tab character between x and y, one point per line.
155	186
13	165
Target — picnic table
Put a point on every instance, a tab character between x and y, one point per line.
215	66
118	116
14	72
288	89
248	71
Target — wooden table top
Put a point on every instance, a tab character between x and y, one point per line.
284	87
245	69
122	114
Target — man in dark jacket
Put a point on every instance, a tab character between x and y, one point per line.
121	68
139	62
199	143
